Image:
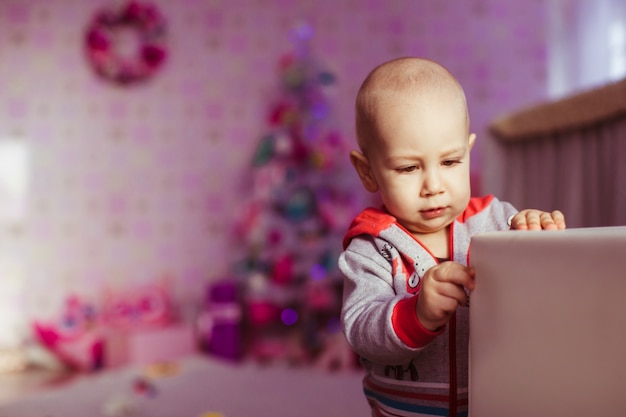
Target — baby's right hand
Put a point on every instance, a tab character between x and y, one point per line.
442	291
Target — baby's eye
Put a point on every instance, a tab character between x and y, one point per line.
408	169
451	162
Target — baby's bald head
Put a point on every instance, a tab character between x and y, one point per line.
392	83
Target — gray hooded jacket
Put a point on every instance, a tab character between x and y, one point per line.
409	368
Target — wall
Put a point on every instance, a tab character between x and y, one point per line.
130	184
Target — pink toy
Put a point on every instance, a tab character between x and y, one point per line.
144	306
74	337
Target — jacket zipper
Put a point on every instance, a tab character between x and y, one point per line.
452	343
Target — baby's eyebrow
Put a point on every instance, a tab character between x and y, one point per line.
455	151
398	159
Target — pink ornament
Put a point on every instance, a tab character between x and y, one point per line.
261	313
320	297
282	271
274	237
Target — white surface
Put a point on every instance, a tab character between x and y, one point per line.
548	323
202	386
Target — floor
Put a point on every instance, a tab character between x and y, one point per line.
15	385
190	387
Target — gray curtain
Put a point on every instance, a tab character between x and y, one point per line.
571	161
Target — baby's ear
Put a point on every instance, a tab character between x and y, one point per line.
472	139
364	170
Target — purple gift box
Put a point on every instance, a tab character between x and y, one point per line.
222	320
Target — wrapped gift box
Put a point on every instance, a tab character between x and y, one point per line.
149	345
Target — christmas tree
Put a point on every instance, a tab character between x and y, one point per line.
301	200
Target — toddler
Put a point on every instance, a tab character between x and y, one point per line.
405	265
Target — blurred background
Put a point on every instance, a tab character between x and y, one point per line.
222	158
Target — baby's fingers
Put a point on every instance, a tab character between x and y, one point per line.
454	273
537	220
557	219
526	220
547	221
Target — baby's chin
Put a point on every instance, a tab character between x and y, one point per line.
428	228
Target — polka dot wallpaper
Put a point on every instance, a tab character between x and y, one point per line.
105	185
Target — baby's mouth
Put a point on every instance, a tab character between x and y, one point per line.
432	213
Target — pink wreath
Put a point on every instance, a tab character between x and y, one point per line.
106	57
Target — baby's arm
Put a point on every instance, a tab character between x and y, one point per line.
442	291
379	324
531	219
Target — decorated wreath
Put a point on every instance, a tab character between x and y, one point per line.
112	58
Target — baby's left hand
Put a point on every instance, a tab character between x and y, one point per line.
531	219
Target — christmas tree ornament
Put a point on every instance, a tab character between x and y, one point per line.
300	205
282	272
264	151
318	272
289	316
